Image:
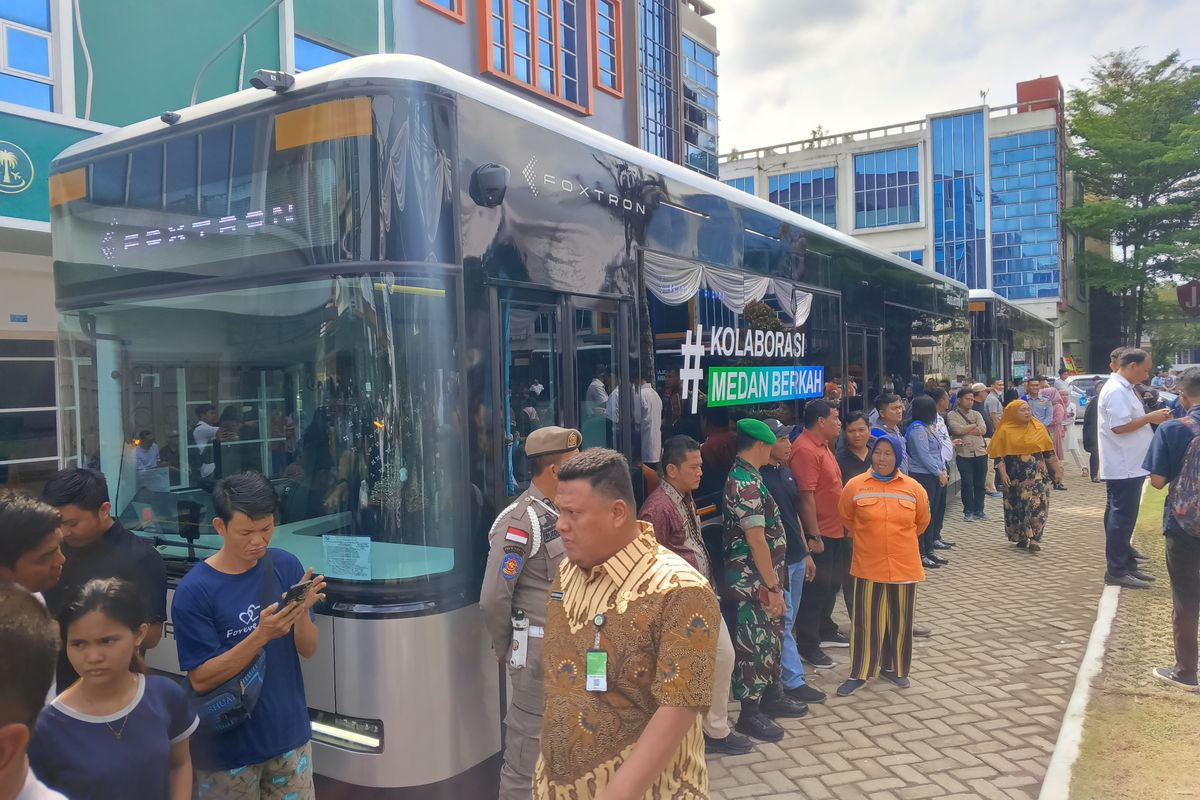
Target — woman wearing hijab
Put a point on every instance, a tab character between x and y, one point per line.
1058	425
884	511
1024	455
927	464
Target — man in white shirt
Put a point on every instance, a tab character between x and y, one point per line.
651	424
28	653
596	396
1124	435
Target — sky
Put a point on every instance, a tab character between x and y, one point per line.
787	66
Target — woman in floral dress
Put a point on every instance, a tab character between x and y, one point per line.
1024	455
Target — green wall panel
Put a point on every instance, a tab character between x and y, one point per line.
40	142
146	54
352	25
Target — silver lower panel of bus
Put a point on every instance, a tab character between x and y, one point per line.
431	680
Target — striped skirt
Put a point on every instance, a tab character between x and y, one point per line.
881	628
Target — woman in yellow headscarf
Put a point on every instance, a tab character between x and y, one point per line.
1024	455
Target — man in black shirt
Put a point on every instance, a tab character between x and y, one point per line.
780	482
97	545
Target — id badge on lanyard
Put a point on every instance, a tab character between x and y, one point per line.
597	661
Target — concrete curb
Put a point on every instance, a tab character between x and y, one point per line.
1057	784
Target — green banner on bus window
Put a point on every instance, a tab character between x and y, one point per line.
743	386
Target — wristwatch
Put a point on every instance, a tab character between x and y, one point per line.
776	589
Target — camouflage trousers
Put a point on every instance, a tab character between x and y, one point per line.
757	641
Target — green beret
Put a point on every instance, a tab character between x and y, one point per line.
756	429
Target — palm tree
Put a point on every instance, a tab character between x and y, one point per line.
8	160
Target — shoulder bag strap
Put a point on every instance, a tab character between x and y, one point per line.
267	593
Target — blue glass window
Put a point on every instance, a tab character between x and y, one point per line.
745	184
658	39
539	45
453	6
34	13
959	210
608	22
28	52
887	188
915	256
310	54
1026	255
812	193
700	107
26	76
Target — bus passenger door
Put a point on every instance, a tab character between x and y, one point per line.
605	398
530	381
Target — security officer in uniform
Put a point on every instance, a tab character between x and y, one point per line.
522	563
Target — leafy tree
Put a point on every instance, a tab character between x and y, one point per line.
1136	127
1168	328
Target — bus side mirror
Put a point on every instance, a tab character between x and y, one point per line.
488	185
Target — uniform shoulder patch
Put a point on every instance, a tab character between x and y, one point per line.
514	548
510	567
517	535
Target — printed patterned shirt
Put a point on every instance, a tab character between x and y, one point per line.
748	504
660	633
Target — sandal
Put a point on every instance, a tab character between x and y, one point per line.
1034	547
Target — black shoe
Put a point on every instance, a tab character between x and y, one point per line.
981	516
929	563
1139	555
892	677
735	744
1096	480
938	559
968	517
1167	675
1023	543
849	687
1060	487
806	694
838	639
921	631
1128	581
941	544
776	703
1142	576
817	659
754	722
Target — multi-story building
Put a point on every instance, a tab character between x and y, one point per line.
643	71
975	194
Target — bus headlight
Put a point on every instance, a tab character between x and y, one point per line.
348	733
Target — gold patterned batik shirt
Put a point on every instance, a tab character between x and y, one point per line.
660	632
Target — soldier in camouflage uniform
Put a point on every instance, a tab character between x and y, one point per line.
756	574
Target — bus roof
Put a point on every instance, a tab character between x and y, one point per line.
415	68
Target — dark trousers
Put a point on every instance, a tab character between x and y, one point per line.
814	616
1183	566
973	472
1094	463
1120	516
881	628
848	581
937	510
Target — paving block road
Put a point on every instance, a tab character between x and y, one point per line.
989	686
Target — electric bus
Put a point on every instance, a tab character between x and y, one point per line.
370	286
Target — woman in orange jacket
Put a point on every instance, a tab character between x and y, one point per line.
884	511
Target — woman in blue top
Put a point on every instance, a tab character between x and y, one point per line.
114	732
928	467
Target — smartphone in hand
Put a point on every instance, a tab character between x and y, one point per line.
297	591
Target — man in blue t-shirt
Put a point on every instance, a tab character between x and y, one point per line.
220	627
1165	461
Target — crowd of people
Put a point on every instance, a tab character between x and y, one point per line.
623	630
82	599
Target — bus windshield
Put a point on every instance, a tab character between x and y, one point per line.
344	391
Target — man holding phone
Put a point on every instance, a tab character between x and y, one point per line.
220	628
